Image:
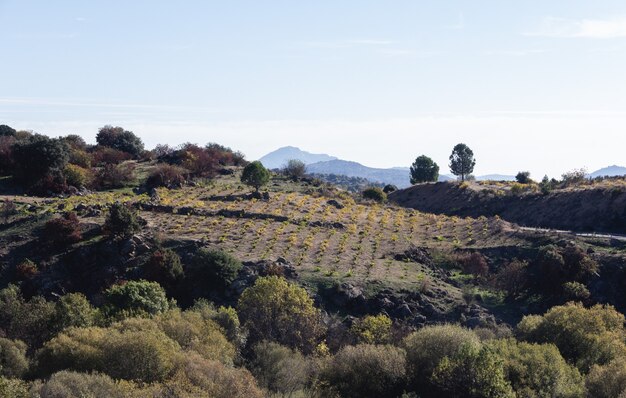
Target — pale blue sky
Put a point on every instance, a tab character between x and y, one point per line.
531	84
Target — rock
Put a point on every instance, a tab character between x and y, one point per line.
185	211
419	320
403	311
128	248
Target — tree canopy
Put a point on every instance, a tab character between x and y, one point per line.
424	169
462	161
255	175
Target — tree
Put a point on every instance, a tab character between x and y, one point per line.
121	221
6	130
462	161
294	169
274	309
37	157
424	169
255	175
120	139
164	267
523	177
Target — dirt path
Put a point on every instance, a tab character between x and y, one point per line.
581	234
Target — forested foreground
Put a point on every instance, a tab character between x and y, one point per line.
140	344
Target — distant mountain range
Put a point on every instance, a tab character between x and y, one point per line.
398	176
278	158
611	171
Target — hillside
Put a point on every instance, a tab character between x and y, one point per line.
598	207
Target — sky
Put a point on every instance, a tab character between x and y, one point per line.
529	85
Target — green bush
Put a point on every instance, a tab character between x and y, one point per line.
538	370
276	310
136	298
13	388
164	266
428	346
608	381
280	369
212	270
372	329
66	384
31	321
74	310
76	176
121	221
193	332
473	372
366	371
375	194
13	361
166	175
584	336
131	351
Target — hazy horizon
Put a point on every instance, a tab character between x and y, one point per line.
528	86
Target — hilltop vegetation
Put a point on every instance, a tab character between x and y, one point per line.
195	277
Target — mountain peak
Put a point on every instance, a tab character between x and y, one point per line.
279	157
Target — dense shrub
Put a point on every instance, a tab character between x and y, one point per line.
102	155
199	377
6	154
67	384
512	278
211	270
28	320
131	351
164	267
294	169
166	175
280	369
80	158
63	231
366	371
372	329
120	139
194	332
26	269
13	388
389	188
112	176
608	381
74	310
77	176
136	298
574	177
554	266
428	346
473	372
474	264
121	221
584	336
6	131
276	310
376	194
226	317
13	361
538	370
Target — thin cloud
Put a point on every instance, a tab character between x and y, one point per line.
514	53
331	44
610	28
460	23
